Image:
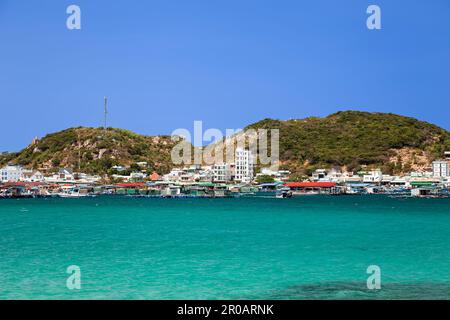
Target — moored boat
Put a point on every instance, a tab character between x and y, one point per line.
72	193
283	193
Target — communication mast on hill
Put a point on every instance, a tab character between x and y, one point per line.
106	113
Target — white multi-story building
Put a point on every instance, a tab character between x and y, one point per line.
206	175
440	169
222	172
349	177
244	163
10	173
173	175
374	176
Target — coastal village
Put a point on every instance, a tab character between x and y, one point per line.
223	180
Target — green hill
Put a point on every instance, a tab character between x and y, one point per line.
94	150
353	139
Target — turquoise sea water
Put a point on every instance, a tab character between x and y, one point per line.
312	247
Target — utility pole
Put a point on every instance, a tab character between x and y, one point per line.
79	152
106	113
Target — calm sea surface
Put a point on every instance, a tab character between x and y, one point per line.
312	247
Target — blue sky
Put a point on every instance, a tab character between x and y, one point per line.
164	64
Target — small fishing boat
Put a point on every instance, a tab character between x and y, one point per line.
283	193
72	193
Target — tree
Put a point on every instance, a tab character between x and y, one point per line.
265	179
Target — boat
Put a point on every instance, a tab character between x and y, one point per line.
72	193
283	193
16	192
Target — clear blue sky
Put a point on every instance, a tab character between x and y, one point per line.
166	63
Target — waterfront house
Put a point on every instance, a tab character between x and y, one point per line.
66	174
190	174
131	188
206	175
86	178
32	176
222	172
421	192
416	183
300	188
171	191
269	187
399	182
220	191
23	189
386	179
135	176
10	173
195	168
421	174
173	175
155	177
12	191
63	175
356	188
319	175
426	192
373	176
334	175
349	177
187	177
280	175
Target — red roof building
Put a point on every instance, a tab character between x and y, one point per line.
22	184
310	184
155	177
131	185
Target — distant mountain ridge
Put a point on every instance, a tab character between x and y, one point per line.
350	140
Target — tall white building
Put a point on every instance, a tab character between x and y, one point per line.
10	173
244	163
440	169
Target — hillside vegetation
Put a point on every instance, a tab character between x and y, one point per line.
94	150
350	140
353	140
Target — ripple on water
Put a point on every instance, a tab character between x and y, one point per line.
358	291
